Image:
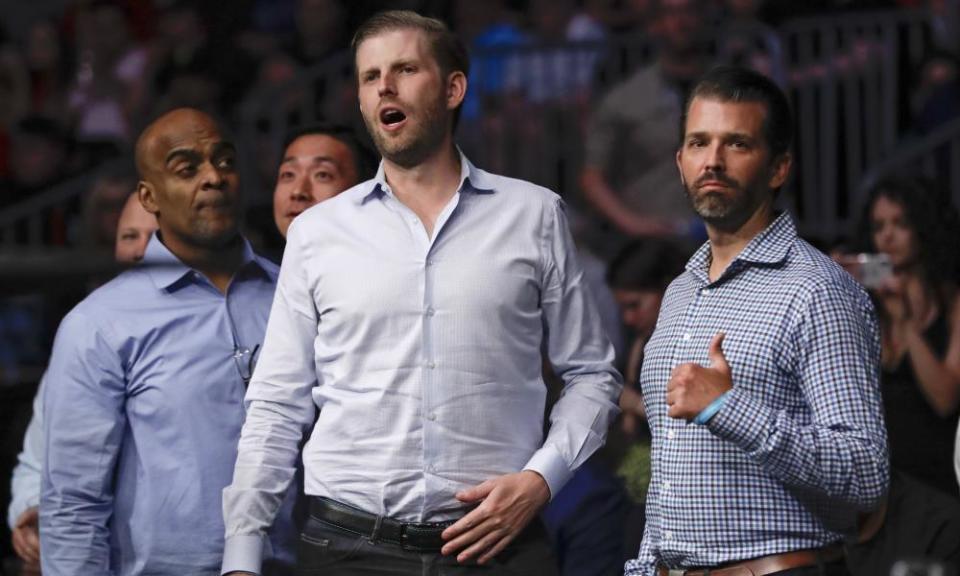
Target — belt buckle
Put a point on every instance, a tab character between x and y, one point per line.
676	572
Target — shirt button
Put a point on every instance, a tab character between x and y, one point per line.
668	535
429	262
670	434
686	336
430	312
666	485
705	291
431	364
432	417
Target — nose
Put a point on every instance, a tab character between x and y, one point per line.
714	161
302	190
212	176
386	85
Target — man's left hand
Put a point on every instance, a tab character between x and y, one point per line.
693	387
507	504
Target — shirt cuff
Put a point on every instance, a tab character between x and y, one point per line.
743	421
548	463
244	553
712	408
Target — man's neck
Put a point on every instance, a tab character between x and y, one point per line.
427	187
217	264
727	244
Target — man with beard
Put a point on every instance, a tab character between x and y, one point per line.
411	312
143	401
761	378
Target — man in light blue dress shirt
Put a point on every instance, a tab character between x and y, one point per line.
143	401
411	313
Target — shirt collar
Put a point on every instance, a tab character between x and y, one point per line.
471	178
166	270
770	246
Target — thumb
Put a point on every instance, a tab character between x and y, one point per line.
475	493
717	360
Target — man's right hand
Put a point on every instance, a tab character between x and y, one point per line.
26	539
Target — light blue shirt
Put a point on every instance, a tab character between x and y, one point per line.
143	408
25	482
423	356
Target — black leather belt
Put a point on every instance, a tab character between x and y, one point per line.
411	536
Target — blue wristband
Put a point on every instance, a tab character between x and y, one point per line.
711	409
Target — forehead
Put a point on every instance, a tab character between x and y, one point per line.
390	46
310	146
193	132
712	116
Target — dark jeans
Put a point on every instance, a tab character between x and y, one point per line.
328	551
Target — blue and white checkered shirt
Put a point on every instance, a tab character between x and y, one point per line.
799	445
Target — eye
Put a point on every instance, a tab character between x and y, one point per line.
408	69
740	144
368	77
323	176
188	171
286	176
225	162
695	143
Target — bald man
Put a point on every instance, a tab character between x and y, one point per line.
144	398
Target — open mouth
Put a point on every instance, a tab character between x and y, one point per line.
392	117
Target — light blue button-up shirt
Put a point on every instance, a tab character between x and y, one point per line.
423	356
143	408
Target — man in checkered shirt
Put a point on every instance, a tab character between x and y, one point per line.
761	379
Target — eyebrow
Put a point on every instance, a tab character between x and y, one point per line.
192	155
702	134
313	160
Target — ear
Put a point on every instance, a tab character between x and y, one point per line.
680	166
781	169
147	196
456	89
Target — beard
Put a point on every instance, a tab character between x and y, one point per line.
424	133
726	209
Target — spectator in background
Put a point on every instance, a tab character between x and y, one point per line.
936	98
919	309
553	70
134	229
108	89
638	276
190	69
321	31
630	176
319	161
49	68
103	205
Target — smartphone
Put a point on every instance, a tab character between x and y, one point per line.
920	568
870	270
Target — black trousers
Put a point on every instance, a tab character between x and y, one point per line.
324	550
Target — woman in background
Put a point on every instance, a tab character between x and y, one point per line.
919	310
